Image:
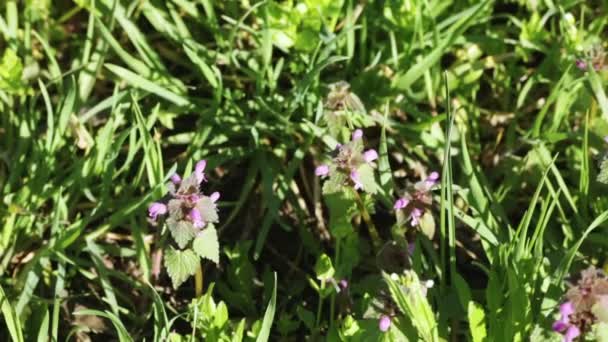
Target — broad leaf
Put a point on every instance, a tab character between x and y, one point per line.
206	244
182	231
208	209
180	265
366	177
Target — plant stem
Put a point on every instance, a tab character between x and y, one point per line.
198	281
373	232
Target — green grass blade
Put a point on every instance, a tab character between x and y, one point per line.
269	315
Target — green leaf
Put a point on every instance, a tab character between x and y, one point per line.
477	322
12	320
427	225
269	315
208	209
182	231
602	332
206	244
11	69
324	268
180	265
366	177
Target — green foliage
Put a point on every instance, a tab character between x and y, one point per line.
180	265
206	244
11	70
103	101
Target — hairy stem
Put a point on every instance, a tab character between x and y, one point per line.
373	232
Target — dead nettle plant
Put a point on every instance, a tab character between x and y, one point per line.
188	217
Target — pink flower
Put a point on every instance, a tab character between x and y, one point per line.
563	325
370	155
354	176
384	323
322	170
197	219
357	134
343	284
214	196
176	179
401	203
199	170
156	209
572	333
415	215
581	64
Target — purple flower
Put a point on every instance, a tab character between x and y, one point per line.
401	203
199	170
197	219
572	333
214	196
385	323
357	134
563	325
343	284
415	215
322	170
370	155
354	176
581	64
156	209
176	179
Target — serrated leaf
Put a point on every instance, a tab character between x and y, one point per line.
208	209
366	177
206	244
335	183
180	265
175	209
182	231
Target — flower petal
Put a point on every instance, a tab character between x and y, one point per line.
199	170
559	326
572	333
176	179
357	134
197	219
401	203
214	196
566	309
384	323
370	155
354	176
415	215
156	209
322	170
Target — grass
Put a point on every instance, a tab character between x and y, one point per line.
102	101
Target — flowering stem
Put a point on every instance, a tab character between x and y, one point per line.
198	281
373	232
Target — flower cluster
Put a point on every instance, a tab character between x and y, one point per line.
415	203
350	164
586	304
187	208
563	325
